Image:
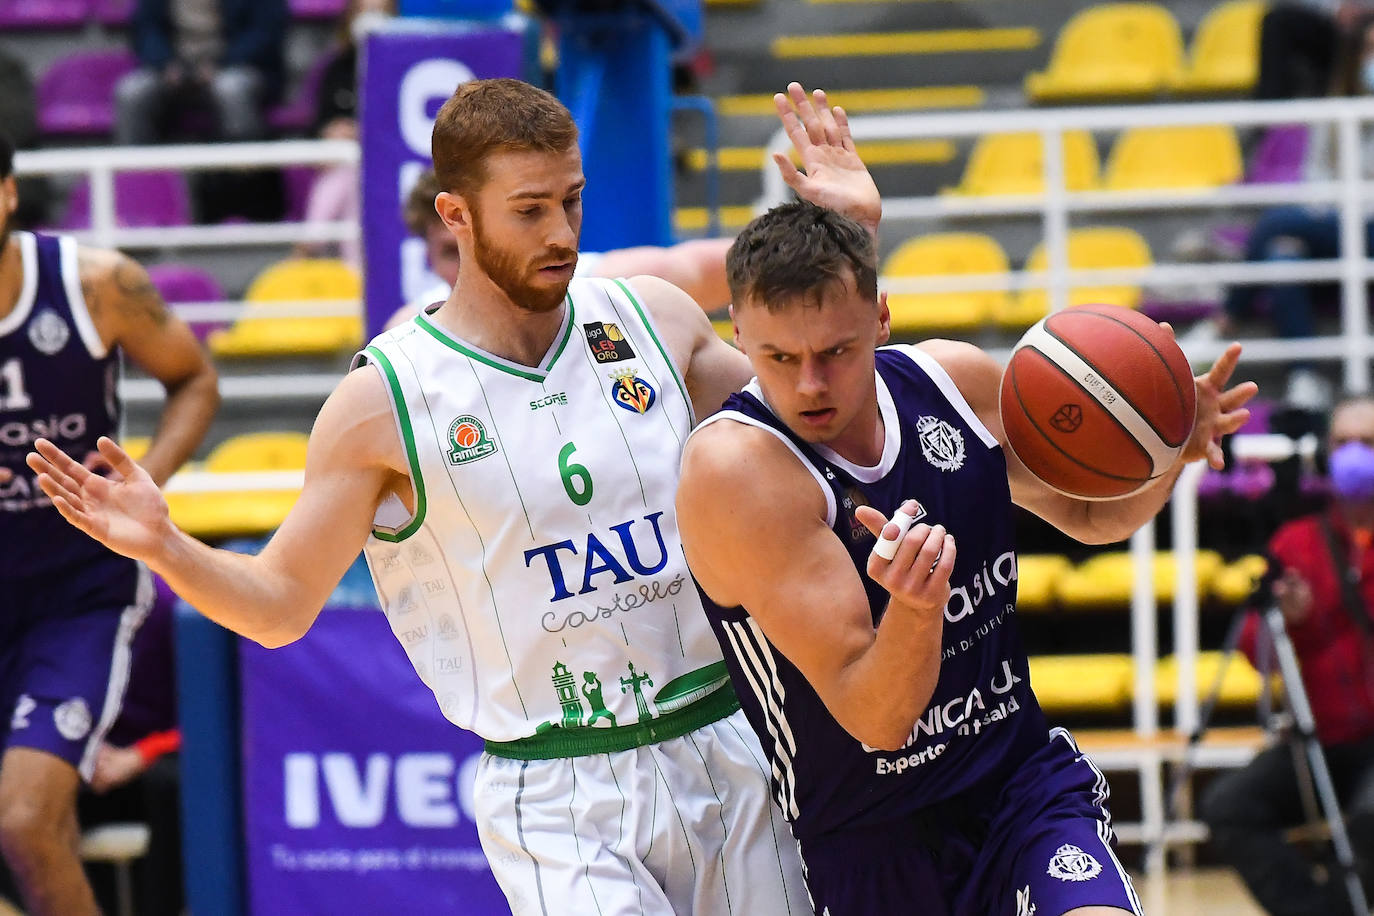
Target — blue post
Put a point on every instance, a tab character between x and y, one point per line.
615	75
211	786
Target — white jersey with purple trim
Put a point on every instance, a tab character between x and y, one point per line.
540	583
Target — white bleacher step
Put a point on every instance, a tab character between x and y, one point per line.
118	842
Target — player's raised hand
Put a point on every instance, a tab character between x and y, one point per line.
1220	410
918	574
832	173
125	511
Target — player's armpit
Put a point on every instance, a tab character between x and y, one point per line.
712	369
754	527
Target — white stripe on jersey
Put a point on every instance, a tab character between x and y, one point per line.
748	644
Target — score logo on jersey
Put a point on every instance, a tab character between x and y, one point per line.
607	342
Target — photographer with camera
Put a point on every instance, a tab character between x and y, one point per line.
1323	583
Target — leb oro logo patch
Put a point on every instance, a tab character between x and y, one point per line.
468	440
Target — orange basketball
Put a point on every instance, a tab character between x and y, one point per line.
1097	401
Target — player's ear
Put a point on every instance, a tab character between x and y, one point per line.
454	210
884	319
9	197
734	325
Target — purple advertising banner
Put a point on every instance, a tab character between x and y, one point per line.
357	792
408	71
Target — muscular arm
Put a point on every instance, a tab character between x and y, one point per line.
711	368
767	546
354	460
129	313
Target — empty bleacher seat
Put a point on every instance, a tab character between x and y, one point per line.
1235	582
1280	155
1112	50
1014	164
76	93
237	513
113	12
141	199
260	333
1158	158
1082	683
946	253
317	9
1036	575
1104	580
1096	247
42	14
1241	685
1225	52
182	283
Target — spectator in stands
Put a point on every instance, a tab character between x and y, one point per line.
1291	233
1300	44
224	55
1248	810
19	114
335	194
137	772
697	267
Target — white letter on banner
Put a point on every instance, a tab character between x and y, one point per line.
302	794
426	80
357	804
422	790
467	780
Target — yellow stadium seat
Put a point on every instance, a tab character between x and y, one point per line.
946	253
136	446
260	333
1105	579
1235	582
1082	683
1112	50
1098	247
1240	687
237	513
1225	51
1036	575
1174	158
1014	164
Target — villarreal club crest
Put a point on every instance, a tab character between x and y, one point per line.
631	392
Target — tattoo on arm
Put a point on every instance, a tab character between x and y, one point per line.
137	296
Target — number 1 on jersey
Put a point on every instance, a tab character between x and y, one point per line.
12	393
577	480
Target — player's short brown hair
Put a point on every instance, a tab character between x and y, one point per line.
487	116
419	213
796	252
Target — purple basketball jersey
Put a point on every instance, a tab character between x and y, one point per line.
57	381
982	717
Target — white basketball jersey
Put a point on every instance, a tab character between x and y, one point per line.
541	582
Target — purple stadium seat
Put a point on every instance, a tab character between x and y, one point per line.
1260	412
298	180
1212	485
179	283
43	14
76	94
1252	479
317	9
1279	156
141	199
297	114
114	12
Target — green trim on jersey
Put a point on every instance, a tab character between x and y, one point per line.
495	362
672	367
417	479
579	742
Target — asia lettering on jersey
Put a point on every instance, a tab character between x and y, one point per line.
981	711
57	382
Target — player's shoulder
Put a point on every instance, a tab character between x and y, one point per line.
722	448
104	264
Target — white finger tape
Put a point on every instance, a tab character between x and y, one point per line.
887	549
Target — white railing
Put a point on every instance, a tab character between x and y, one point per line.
1348	194
101	164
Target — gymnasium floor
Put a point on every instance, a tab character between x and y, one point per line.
1201	892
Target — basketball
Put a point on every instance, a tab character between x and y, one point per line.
1097	401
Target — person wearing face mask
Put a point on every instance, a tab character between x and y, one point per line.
1297	232
1249	809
